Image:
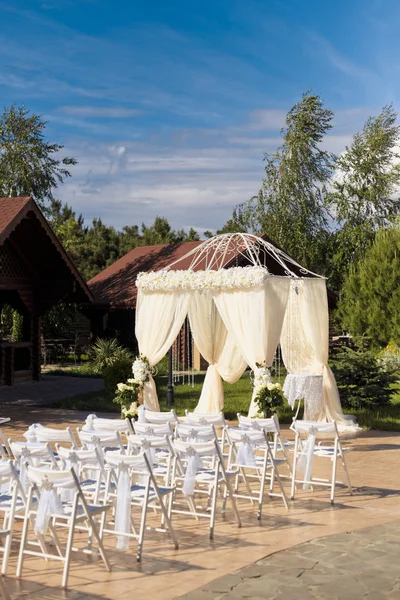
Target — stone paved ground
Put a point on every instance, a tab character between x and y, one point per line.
48	390
348	566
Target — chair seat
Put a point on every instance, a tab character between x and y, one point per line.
138	492
5	503
67	510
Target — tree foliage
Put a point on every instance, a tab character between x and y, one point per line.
29	165
363	191
97	246
370	298
289	207
362	380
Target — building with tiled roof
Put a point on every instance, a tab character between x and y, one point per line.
35	274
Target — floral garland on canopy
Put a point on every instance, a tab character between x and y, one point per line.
221	279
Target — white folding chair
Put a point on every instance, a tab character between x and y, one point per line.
35	453
4	533
94	423
135	486
193	479
195	433
50	511
271	427
204	419
251	455
306	449
102	439
89	468
12	504
4	446
159	452
159	418
160	430
39	433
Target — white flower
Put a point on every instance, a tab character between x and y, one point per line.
140	370
122	387
222	279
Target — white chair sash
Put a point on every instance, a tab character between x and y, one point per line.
123	508
194	463
245	455
306	459
89	422
49	502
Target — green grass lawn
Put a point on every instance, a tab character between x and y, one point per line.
237	399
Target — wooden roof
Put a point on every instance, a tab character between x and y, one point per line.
33	261
115	287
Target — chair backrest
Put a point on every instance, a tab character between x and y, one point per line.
270	425
203	419
44	478
105	439
153	441
315	427
206	449
196	433
94	423
159	418
35	450
48	434
151	429
135	463
253	437
88	459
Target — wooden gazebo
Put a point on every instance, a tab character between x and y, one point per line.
35	274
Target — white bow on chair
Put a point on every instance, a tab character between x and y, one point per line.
306	459
49	503
193	465
245	455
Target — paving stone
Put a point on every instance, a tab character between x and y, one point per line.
223	584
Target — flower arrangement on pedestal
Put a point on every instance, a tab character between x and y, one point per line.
269	396
129	395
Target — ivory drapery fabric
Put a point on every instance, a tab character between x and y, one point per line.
254	317
216	345
159	317
305	342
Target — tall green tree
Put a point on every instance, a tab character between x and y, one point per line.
290	205
29	165
363	196
370	298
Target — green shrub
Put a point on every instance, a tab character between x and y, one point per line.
105	352
362	380
118	372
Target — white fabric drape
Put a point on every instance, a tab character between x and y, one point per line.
159	317
254	318
305	342
217	347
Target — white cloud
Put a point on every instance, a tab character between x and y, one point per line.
100	111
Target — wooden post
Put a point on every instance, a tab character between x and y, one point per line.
35	339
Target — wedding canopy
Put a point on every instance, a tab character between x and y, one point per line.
239	312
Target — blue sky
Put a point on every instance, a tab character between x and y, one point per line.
169	106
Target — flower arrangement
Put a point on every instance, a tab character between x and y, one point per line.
269	397
127	395
142	369
222	279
